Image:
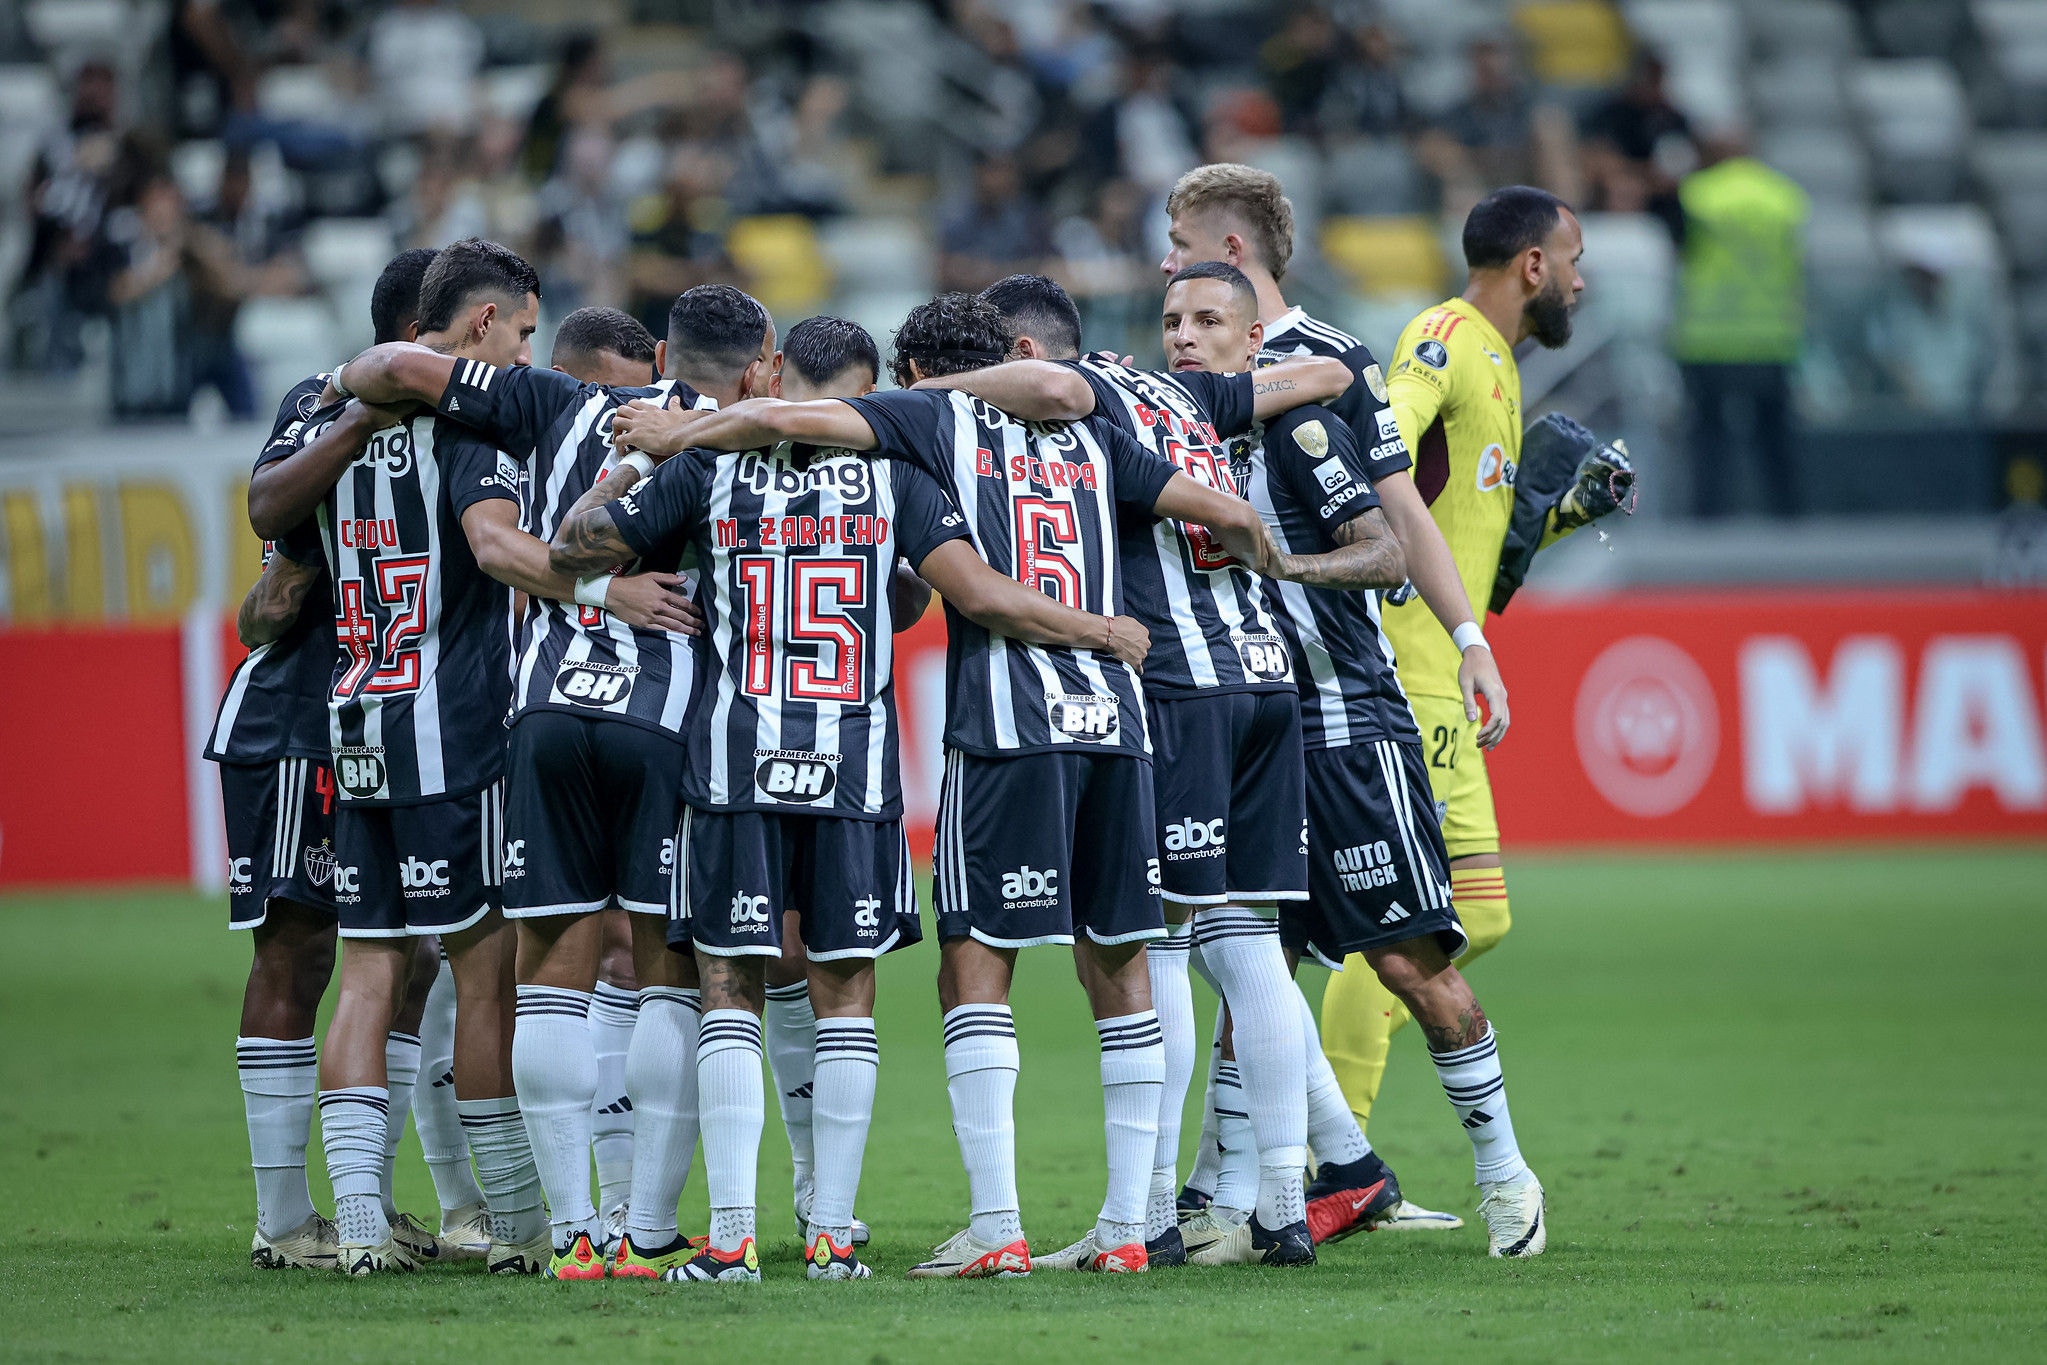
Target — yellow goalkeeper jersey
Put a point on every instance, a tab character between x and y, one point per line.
1456	393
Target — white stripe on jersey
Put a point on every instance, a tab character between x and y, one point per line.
722	640
1301	614
237	689
426	703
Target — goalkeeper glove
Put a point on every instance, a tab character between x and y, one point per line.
1604	484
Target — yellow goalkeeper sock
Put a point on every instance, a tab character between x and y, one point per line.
1360	1016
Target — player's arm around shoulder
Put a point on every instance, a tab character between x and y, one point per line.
272	605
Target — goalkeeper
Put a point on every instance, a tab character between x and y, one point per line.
1456	392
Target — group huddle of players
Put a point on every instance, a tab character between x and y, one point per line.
570	705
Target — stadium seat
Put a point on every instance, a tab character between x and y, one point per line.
1375	175
1443	26
2014	36
296	92
1844	274
511	92
2011	172
1386	255
870	255
61	25
1828	163
1797	91
29	99
1297	161
1961	236
1578	43
1808	28
1917	119
1684	32
1916	28
339	250
781	257
287	339
1630	265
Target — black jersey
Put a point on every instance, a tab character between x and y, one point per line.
1206	613
796	549
416	708
275	705
1363	406
1039	502
1305	477
574	658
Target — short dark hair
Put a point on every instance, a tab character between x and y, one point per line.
1242	291
715	329
824	347
604	331
1507	222
466	269
951	334
395	300
1038	308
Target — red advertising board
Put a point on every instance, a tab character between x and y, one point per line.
1645	718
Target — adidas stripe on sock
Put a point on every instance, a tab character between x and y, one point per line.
280	1090
613	1011
848	1061
1471	1078
504	1168
1173	1000
555	1071
981	1064
661	1078
352	1134
732	1110
1133	1074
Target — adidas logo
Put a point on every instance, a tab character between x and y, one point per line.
801	1092
454	405
622	1105
1395	914
448	1079
1477	1118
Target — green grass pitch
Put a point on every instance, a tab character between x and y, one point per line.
1787	1107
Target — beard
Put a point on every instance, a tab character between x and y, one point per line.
1549	318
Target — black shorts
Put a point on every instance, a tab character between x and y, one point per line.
1227	775
590	812
849	881
1377	872
1031	849
433	868
280	837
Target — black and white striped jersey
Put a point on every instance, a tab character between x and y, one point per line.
275	705
1363	406
1040	505
796	550
573	658
1206	613
1303	474
416	709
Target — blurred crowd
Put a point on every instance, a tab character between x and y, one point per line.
203	190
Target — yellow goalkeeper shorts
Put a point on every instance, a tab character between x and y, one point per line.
1457	775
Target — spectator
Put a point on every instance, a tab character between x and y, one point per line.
1106	262
997	232
66	196
676	244
446	204
1500	134
582	236
1740	319
1931	335
1637	144
576	97
173	290
1141	133
1365	97
807	144
1301	64
424	59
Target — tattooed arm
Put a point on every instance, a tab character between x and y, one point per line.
273	604
587	541
1304	379
1368	555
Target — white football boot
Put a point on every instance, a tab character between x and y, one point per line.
965	1257
312	1245
1515	1214
465	1233
1213	1241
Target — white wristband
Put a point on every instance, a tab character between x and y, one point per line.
1467	635
592	591
334	383
637	461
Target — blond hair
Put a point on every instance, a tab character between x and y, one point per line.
1250	195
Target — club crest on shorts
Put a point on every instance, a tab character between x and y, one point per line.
320	864
795	777
1090	718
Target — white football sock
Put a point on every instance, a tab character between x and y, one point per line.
848	1060
661	1076
401	1074
731	1105
1173	1000
790	1027
981	1062
433	1101
1133	1073
1332	1129
504	1168
1242	949
1471	1078
1201	1177
1236	1180
556	1075
280	1087
612	1012
352	1134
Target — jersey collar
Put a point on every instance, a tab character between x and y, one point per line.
1285	322
1489	335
